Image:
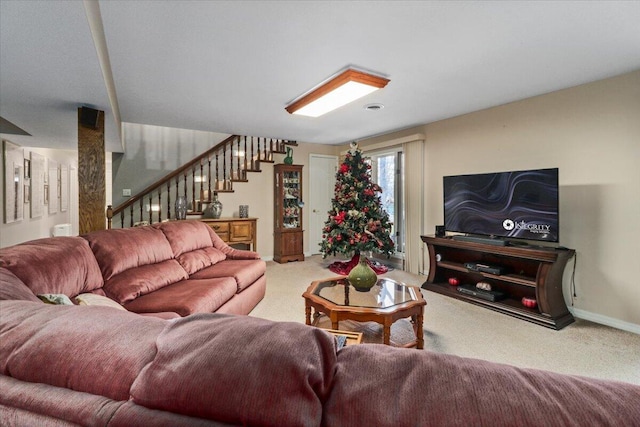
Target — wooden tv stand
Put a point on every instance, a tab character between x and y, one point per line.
532	272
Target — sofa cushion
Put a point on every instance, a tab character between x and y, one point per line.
66	265
452	390
142	280
96	350
98	300
12	288
241	370
186	297
46	405
185	236
244	271
118	250
200	258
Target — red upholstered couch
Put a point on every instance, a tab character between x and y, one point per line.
170	269
98	366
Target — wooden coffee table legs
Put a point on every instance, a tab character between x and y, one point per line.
417	328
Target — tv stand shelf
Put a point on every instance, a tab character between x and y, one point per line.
532	272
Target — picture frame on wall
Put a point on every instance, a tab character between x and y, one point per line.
53	186
38	174
27	169
13	194
64	188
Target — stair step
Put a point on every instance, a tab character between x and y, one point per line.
252	170
239	180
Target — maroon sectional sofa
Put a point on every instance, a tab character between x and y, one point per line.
171	269
64	365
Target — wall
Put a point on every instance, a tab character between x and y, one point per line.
28	228
153	152
592	133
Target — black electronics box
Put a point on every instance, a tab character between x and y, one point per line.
484	268
480	293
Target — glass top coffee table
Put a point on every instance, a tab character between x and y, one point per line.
386	302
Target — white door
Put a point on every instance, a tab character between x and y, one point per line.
322	178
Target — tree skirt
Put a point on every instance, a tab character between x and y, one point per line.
343	268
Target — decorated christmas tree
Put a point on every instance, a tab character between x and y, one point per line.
357	222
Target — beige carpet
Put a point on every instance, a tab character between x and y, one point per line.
457	327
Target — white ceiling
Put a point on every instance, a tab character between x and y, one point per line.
232	67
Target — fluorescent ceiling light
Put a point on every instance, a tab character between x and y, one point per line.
341	90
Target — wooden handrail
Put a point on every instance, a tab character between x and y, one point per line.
168	177
192	165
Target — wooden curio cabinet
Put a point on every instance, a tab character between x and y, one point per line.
287	228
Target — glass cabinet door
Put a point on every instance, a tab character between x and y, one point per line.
288	233
291	194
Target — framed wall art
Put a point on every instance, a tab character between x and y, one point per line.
13	157
37	184
53	187
64	188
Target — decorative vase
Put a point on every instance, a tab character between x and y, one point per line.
362	277
181	207
289	159
214	210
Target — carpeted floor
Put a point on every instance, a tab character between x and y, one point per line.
457	327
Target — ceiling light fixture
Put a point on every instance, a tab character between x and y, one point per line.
346	87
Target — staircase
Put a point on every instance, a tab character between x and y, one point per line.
215	170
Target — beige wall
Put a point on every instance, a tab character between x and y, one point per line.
592	133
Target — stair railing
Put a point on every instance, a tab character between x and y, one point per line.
220	166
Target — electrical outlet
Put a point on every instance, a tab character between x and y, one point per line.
126	192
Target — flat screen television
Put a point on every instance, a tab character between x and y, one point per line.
517	204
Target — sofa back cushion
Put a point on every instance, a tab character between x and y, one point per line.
12	288
142	280
54	265
96	350
201	359
119	250
191	244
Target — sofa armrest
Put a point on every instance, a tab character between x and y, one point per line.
230	252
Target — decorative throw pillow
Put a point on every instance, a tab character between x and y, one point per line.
95	299
57	299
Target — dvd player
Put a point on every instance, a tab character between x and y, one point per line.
484	268
481	293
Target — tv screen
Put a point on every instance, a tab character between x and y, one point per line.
518	204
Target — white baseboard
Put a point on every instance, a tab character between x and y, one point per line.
267	258
605	320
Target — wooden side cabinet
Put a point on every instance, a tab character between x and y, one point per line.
287	217
531	272
235	230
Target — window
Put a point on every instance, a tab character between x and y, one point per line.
387	172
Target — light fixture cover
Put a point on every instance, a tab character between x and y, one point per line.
341	90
